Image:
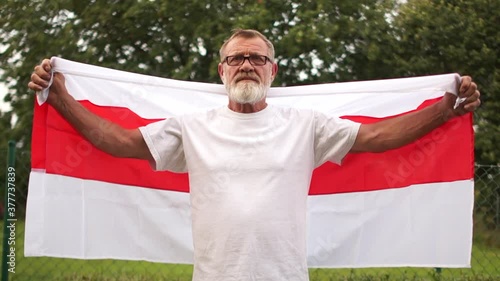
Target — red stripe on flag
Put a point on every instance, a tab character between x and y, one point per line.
39	133
67	153
445	154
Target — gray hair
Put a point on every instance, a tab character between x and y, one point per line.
248	33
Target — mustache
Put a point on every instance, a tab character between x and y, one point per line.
242	76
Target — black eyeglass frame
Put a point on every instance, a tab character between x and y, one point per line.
249	57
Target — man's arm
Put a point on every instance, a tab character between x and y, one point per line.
396	132
105	135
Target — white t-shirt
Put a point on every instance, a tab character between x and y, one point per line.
249	179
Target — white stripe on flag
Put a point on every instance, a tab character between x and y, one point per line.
146	95
86	219
393	227
95	220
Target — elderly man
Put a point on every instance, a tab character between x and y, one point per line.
255	228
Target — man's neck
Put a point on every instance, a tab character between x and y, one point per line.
247	107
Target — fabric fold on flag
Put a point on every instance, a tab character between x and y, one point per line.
410	206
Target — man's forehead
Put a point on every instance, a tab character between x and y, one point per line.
246	45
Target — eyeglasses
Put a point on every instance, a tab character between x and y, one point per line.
237	60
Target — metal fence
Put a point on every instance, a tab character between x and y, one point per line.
485	254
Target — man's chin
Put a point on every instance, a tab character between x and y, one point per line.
241	100
244	81
246	92
247	100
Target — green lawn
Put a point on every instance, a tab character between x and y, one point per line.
485	266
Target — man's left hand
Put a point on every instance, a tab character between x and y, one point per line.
468	91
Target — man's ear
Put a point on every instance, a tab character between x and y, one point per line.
274	71
220	69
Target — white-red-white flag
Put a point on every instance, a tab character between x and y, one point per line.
411	206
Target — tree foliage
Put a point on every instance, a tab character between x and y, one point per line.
437	36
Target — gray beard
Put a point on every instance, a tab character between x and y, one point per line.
247	92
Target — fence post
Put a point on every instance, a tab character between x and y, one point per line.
11	152
497	223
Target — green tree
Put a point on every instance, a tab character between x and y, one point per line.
456	36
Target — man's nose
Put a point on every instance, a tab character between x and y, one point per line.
246	66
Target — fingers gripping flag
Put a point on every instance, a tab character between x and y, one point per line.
410	206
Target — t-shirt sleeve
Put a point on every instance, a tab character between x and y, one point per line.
164	140
333	139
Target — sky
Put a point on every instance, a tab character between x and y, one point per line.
3	91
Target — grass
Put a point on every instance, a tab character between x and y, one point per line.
485	267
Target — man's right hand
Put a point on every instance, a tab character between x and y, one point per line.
105	135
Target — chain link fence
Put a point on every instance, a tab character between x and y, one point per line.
485	253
